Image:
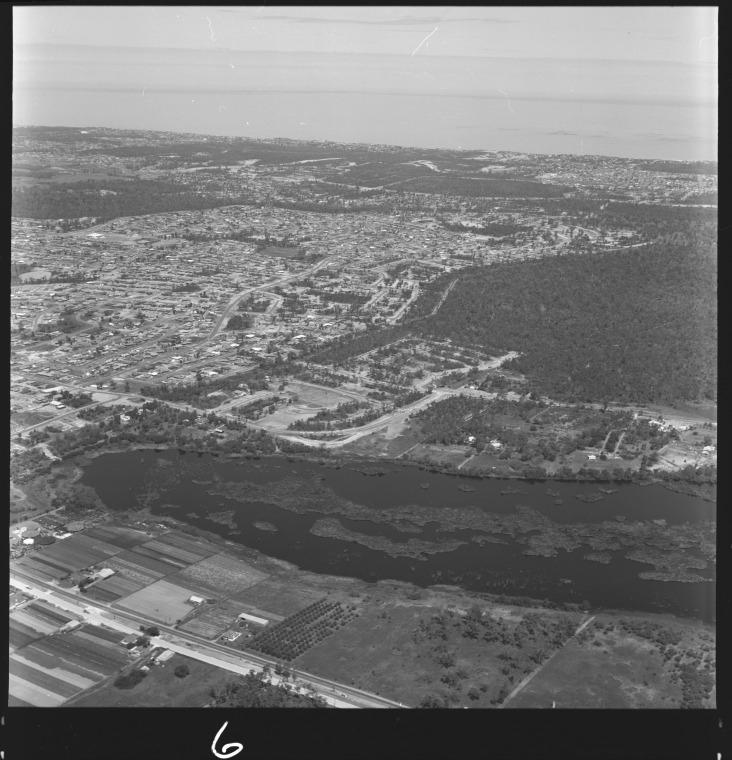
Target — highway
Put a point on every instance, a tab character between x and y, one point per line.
339	695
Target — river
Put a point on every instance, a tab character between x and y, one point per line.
179	485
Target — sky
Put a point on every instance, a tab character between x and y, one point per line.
589	79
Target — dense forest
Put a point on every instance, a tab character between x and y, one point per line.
649	220
109	199
633	325
478	187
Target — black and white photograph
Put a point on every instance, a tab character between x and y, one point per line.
363	358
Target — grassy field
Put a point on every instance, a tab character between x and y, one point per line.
439	455
162	601
317	398
378	652
161	687
375	654
381	444
609	668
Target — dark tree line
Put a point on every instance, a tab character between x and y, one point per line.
109	199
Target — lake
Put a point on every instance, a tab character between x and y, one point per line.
180	485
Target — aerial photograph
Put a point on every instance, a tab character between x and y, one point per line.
363	357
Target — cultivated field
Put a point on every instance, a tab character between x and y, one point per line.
221	573
113	588
118	535
161	688
176	548
48	667
214	620
162	601
67	556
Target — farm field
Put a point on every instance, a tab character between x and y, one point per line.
214	620
111	589
118	535
375	654
296	634
175	549
32	564
34	621
162	601
64	557
221	573
161	687
279	597
51	669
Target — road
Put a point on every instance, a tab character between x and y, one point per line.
172	638
70	413
394	318
398	415
443	297
230	307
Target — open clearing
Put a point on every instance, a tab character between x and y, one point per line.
316	397
612	669
279	597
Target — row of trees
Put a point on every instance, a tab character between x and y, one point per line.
303	630
197	394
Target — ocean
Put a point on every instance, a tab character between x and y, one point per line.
631	129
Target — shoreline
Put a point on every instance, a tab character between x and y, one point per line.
387	465
74	472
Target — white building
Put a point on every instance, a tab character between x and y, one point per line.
253	618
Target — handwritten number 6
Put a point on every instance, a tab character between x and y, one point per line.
228	750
